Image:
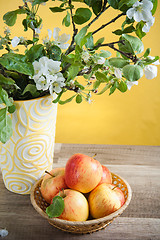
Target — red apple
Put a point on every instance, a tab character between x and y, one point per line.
52	183
82	173
75	206
106	176
104	200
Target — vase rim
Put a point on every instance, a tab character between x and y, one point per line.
25	100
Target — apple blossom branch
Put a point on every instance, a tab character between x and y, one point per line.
75	30
106	24
96	18
111	45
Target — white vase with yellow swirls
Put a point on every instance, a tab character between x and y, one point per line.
29	152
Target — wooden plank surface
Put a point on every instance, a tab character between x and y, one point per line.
139	165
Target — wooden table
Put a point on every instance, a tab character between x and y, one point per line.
139	165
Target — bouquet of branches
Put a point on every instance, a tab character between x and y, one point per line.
52	65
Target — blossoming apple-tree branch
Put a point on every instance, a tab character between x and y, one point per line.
52	64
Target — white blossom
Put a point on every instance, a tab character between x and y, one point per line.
140	11
130	84
3	232
57	85
150	71
100	60
148	24
38	30
85	56
156	62
42	84
7	30
118	73
60	40
15	41
47	75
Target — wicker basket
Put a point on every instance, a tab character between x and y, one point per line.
88	226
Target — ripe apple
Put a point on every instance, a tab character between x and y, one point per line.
52	183
76	207
119	193
82	173
104	200
106	176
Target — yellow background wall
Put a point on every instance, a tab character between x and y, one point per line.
122	118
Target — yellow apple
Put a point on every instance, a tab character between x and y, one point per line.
104	200
75	206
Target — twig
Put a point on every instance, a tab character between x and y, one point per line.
75	30
128	55
96	18
106	24
85	71
107	44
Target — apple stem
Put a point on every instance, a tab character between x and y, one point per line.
49	174
94	155
62	194
115	187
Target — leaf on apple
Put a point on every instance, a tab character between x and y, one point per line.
56	208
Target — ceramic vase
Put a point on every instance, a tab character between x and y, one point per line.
29	152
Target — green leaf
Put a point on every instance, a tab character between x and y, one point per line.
39	2
139	31
155	4
89	43
96	6
118	62
105	54
34	52
79	37
150	61
16	62
114	3
96	84
5	126
104	89
131	45
100	41
82	15
56	208
4	97
32	89
12	109
11	17
73	71
55	53
128	29
78	98
66	20
85	39
67	100
147	52
122	86
57	9
132	72
25	24
112	89
5	80
58	97
124	5
101	77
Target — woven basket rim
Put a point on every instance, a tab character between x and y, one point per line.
81	223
